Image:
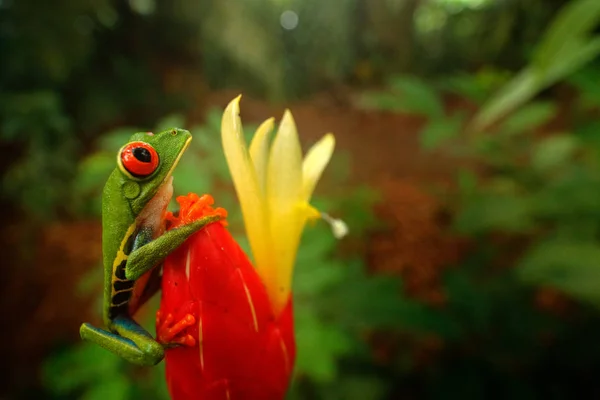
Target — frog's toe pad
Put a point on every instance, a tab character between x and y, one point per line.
185	340
169	333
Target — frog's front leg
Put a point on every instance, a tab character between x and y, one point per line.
144	258
131	341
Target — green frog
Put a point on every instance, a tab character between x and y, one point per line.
135	242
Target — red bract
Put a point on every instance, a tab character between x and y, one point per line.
214	303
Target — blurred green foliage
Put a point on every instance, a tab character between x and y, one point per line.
526	199
536	185
528	203
73	69
570	42
58	89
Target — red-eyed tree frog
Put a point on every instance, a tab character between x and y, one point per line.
134	241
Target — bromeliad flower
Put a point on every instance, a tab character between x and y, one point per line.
235	320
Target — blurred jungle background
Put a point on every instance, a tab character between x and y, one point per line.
467	167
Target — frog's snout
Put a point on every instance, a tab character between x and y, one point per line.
178	131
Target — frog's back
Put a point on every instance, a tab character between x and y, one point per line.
117	226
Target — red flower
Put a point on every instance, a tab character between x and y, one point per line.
215	305
233	318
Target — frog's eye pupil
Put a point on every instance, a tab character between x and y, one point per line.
142	154
139	159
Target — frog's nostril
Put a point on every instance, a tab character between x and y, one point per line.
174	132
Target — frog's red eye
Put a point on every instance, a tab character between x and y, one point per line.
139	158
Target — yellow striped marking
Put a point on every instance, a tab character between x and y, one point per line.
121	256
200	339
187	265
286	356
249	297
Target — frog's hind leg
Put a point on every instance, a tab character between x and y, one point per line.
131	342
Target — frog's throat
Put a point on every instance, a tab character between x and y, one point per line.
153	213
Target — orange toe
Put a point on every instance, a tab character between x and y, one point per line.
168	332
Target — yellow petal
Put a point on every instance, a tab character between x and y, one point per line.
315	162
244	180
310	212
284	191
259	152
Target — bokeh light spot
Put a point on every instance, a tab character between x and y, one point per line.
288	20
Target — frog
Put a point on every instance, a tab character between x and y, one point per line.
135	242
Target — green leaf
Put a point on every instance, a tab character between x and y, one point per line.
575	20
317	243
417	97
387	307
407	94
467	181
463	291
116	388
567	198
588	134
553	151
585	81
564	49
465	85
381	101
528	117
440	130
573	267
87	363
40	180
356	209
319	347
529	82
496	212
580	53
516	92
313	281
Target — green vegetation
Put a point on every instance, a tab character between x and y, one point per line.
507	90
536	183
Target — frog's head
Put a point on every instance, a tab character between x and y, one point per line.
147	162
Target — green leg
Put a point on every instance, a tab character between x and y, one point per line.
144	258
131	342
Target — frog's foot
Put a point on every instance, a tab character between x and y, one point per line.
170	334
193	207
